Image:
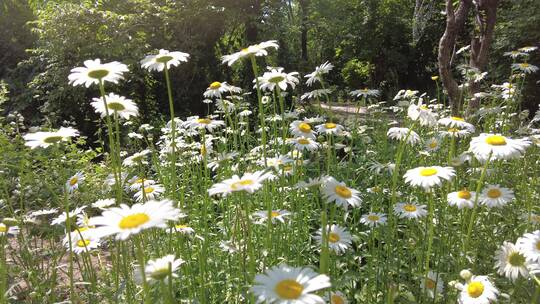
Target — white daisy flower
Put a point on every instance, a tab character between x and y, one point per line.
116	104
8	230
302	129
405	94
136	183
529	245
432	284
526	68
455	132
289	285
461	199
136	159
73	182
365	93
494	196
275	215
515	54
403	134
160	269
149	192
104	203
421	113
528	49
478	290
316	94
433	144
250	182
339	193
373	219
124	221
303	143
94	71
498	146
195	122
45	139
276	77
252	50
336	297
339	239
216	89
276	162
456	122
316	76
428	177
410	210
63	216
164	57
510	262
181	228
82	240
329	128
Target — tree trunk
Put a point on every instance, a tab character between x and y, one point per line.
455	21
486	16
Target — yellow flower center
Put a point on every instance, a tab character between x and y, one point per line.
453	130
434	77
464	194
276	79
330	125
133	221
428	171
409	208
343	191
303	141
475	289
52	139
373	217
98	74
244	50
433	144
430	284
289	289
180	226
215	85
364	90
524	65
81	229
516	259
116	106
73	181
83	243
274	213
494	193
496	140
204	121
456	118
333	237
164	59
538	245
160	274
304	127
149	190
3	228
336	299
423	107
241	183
203	150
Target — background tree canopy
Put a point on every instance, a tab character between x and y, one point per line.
388	44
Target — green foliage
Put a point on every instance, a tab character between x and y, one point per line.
357	73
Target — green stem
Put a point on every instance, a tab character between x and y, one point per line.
173	133
475	207
261	108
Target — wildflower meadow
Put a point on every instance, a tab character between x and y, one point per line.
276	191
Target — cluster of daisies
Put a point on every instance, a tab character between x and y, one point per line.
223	139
